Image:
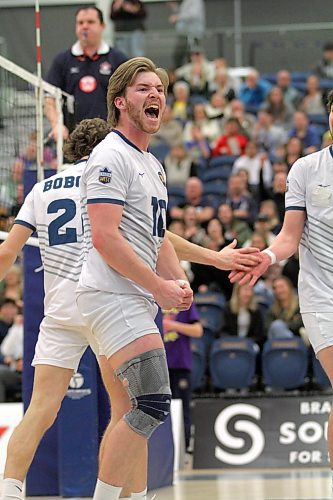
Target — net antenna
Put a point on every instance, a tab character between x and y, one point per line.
39	99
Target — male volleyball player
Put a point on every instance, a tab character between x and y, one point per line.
308	223
54	361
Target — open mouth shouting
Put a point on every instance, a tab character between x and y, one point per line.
152	111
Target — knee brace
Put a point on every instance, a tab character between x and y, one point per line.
146	380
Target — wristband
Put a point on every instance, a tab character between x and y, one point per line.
271	255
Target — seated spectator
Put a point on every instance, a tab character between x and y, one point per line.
208	276
242	316
276	193
241	202
233	227
263	289
197	73
29	155
236	109
313	103
12	285
262	225
305	132
197	144
194	197
215	108
268	135
253	161
279	166
170	131
281	112
180	104
220	63
291	95
8	312
232	142
285	308
11	351
179	166
193	231
324	67
209	128
9	189
269	208
223	84
178	329
254	91
294	151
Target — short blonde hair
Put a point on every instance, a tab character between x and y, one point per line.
124	75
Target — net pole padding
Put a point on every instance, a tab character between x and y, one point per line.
33	242
39	98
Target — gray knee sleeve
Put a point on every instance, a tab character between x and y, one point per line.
149	389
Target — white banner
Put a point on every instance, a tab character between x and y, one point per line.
10	416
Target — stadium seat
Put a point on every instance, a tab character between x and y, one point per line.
160	151
198	364
299	76
219	161
284	363
215	188
318	119
210	306
219	173
269	77
177	191
232	362
325	84
319	376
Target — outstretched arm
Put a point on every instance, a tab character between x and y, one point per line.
284	245
226	259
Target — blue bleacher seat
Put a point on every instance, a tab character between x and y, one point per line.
325	84
160	151
198	363
219	161
284	363
221	173
299	76
232	362
210	306
317	119
269	77
215	188
319	376
177	191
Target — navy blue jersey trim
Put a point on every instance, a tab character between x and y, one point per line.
26	224
331	150
105	200
303	209
81	161
127	140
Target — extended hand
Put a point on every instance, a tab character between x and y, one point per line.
240	259
252	275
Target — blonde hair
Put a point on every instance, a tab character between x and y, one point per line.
277	309
124	76
234	301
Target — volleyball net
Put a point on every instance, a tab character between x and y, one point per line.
22	122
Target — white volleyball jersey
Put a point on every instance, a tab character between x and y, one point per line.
52	208
310	188
118	172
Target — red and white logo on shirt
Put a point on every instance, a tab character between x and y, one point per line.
88	83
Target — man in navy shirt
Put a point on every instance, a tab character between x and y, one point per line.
83	71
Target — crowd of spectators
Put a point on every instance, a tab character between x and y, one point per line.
227	143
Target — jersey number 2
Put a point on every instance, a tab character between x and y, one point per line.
70	235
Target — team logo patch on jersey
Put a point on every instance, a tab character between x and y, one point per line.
162	178
105	68
88	84
105	176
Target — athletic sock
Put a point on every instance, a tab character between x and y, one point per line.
141	494
12	489
105	491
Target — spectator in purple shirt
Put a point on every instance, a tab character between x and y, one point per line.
178	328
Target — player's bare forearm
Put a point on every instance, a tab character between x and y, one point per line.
168	264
